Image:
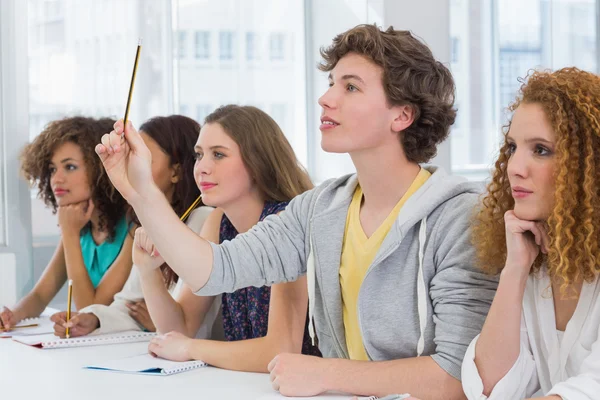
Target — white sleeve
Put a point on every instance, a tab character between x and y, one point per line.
520	382
213	316
197	217
116	318
585	385
205	331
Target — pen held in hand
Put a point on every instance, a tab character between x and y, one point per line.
69	297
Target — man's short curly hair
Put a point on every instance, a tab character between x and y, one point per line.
86	133
411	76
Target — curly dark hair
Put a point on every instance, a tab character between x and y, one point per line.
86	133
176	135
571	101
411	76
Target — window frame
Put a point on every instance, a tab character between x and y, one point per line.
14	94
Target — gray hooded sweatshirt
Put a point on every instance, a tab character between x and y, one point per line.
422	294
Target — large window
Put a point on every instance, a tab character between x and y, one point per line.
255	52
182	44
81	55
202	45
200	54
276	46
226	45
495	43
3	159
323	28
235	76
15	219
252	46
202	111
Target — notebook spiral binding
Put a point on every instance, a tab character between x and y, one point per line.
188	367
92	339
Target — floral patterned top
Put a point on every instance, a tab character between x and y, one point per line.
246	311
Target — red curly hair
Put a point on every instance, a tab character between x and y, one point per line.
570	99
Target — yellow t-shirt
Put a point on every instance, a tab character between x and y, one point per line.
358	252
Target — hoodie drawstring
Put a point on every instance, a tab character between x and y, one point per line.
310	282
421	289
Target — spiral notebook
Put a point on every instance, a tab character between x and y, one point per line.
49	341
146	364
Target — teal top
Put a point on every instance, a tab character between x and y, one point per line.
98	258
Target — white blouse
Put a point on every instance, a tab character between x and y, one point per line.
565	364
116	318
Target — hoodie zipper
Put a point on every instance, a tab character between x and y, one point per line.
390	251
334	336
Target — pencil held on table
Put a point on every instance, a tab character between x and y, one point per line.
135	64
18	327
69	297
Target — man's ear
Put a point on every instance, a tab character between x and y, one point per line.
404	118
176	173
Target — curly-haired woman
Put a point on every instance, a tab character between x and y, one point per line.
94	248
539	225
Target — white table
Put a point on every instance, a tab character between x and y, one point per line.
31	373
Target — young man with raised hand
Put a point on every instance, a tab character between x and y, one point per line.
394	297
